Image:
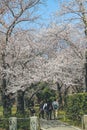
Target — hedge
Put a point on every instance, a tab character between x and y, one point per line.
76	106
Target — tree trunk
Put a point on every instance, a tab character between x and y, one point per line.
20	102
86	72
5	100
59	92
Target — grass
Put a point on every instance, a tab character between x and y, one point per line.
65	118
1	111
61	116
4	122
14	109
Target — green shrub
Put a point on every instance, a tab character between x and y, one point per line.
23	124
76	107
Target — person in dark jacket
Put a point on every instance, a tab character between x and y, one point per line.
49	110
41	113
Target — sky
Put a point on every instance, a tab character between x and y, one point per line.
46	11
52	6
49	9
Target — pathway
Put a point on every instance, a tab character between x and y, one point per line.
55	125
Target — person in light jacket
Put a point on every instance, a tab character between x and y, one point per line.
55	106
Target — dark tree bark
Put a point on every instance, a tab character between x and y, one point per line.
6	105
59	87
86	73
20	102
6	102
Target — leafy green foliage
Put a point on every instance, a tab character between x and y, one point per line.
46	94
76	106
23	124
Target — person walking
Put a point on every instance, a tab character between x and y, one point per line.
49	110
41	113
45	109
55	106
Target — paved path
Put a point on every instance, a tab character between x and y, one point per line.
55	125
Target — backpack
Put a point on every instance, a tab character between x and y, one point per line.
45	108
55	106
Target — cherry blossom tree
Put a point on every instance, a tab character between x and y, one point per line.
66	50
75	11
65	58
54	54
12	15
51	55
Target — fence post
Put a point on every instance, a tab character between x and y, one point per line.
85	121
82	122
34	123
13	123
